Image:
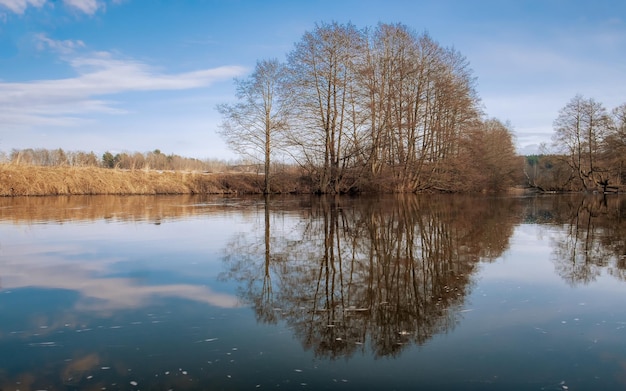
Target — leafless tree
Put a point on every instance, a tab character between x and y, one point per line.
250	126
321	79
580	129
487	160
421	100
614	148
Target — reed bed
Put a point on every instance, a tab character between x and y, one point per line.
30	180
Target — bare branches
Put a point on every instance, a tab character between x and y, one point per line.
251	126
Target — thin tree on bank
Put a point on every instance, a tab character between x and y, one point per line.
250	127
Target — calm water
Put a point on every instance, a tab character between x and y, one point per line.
394	293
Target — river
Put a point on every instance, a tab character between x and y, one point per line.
437	292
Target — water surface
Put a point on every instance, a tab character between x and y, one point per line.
408	292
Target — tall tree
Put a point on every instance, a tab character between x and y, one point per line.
421	99
251	126
579	132
321	78
614	147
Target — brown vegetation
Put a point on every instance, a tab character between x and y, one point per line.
29	180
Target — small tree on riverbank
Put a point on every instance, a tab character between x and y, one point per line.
250	126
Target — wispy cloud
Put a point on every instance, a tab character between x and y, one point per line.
19	6
88	7
98	293
99	75
68	46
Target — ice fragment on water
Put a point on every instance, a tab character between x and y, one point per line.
133	383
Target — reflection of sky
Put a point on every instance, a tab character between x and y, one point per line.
530	248
530	257
522	288
523	323
120	265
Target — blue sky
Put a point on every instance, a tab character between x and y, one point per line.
137	75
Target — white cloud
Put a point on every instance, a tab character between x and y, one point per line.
89	7
63	47
19	6
66	101
98	293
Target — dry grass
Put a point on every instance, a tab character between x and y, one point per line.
28	180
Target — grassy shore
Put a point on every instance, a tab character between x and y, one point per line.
28	180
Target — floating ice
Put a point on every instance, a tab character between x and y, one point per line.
133	383
43	344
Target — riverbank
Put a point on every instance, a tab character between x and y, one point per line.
29	180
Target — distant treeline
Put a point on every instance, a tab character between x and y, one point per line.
155	160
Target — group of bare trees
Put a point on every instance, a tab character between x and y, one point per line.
590	149
382	109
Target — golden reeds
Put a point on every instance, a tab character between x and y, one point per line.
30	180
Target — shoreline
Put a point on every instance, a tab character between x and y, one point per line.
18	180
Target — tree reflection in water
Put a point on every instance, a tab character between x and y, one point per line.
589	235
350	275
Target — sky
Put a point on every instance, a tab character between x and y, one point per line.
140	75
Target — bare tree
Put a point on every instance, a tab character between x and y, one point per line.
250	126
487	160
421	100
321	78
579	131
614	148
